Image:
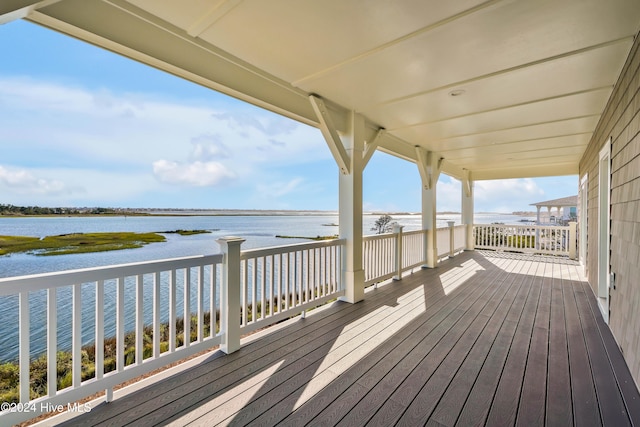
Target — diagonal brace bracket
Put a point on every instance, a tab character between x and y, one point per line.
372	146
429	166
330	134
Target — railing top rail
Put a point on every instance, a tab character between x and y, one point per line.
378	236
35	282
258	252
409	233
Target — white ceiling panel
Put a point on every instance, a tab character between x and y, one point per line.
534	76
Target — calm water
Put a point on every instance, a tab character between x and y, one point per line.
259	231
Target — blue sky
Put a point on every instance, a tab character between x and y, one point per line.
80	126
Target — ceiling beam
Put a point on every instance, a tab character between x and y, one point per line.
397	41
627	39
536	171
608	88
216	12
121	27
11	10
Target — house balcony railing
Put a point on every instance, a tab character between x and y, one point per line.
542	239
128	320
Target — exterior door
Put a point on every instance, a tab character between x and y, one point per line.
582	218
604	189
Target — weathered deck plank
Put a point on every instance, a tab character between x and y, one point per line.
485	338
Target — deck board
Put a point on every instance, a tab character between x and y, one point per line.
505	403
532	401
559	409
585	405
484	339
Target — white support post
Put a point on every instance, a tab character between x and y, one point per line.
429	168
451	238
573	234
397	230
467	210
350	215
230	298
349	153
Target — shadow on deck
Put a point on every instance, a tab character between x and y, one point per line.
486	338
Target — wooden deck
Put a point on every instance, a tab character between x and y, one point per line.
484	339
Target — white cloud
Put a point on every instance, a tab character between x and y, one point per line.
160	140
506	195
100	125
449	196
198	174
279	188
207	148
22	180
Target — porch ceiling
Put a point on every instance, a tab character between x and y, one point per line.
533	77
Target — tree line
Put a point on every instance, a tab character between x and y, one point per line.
38	210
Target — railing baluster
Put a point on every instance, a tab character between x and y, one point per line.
285	278
139	319
156	314
186	301
307	270
200	281
271	278
99	329
76	334
172	310
254	291
52	341
263	299
213	298
24	337
280	281
120	325
243	291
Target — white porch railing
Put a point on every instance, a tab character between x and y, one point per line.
378	256
451	240
413	249
542	239
283	281
388	255
271	284
135	292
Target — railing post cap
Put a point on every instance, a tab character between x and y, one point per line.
451	223
397	227
230	240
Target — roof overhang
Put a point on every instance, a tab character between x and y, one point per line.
500	88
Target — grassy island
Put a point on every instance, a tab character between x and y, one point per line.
187	232
77	243
335	236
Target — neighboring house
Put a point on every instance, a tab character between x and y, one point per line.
566	209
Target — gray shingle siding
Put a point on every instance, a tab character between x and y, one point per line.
621	122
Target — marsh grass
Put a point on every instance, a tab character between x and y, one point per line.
10	371
78	243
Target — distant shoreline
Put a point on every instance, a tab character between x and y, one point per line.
117	212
